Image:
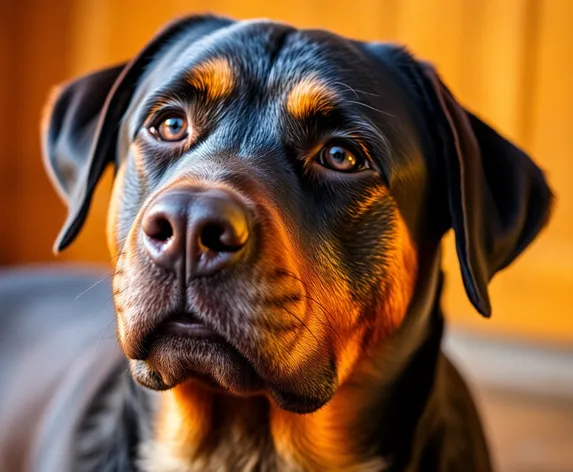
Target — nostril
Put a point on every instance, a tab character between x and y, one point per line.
163	234
195	232
158	228
219	238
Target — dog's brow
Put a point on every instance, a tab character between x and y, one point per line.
214	77
309	97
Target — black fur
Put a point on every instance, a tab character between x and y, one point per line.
435	166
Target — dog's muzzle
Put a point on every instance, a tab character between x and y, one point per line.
208	288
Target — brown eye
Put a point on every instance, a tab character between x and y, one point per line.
341	159
171	128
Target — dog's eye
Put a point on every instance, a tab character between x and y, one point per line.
171	128
339	158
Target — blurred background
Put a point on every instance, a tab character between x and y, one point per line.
510	61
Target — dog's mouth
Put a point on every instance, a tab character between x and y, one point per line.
178	325
183	347
239	358
186	324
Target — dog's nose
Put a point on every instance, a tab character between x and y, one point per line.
195	232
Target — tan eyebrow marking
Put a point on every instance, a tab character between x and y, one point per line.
214	77
310	96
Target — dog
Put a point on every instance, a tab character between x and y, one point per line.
279	202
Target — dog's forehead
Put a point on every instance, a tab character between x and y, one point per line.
264	55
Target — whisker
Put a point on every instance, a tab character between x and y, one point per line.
93	285
348	87
110	273
328	315
117	256
330	320
101	337
371	108
301	322
356	91
107	327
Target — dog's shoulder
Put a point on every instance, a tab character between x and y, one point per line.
450	432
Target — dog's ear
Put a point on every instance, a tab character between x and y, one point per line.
82	119
498	198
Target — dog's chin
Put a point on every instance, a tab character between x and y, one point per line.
219	368
176	357
298	403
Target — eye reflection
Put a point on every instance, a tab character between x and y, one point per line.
172	128
340	159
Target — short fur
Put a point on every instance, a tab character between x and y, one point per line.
332	321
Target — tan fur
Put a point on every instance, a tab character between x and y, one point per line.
195	432
398	293
321	440
214	78
317	441
113	212
310	96
297	443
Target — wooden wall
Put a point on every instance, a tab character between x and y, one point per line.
511	61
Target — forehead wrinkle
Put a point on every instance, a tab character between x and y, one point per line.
310	96
214	77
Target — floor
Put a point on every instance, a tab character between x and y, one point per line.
528	433
525	394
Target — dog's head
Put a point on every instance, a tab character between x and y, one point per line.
275	190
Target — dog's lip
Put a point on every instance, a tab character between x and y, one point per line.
184	347
178	324
185	324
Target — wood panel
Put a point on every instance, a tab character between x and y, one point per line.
7	13
36	47
510	61
551	112
534	297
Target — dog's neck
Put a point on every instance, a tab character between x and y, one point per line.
202	430
370	420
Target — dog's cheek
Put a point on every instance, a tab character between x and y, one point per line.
332	313
366	235
380	261
128	291
125	201
113	213
397	286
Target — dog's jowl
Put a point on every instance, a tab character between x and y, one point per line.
278	206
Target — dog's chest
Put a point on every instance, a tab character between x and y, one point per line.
233	454
237	456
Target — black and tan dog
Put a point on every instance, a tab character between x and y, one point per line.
279	201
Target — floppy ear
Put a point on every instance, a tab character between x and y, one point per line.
498	198
69	133
80	128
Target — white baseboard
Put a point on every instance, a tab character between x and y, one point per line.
508	364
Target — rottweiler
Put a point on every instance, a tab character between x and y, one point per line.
279	202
